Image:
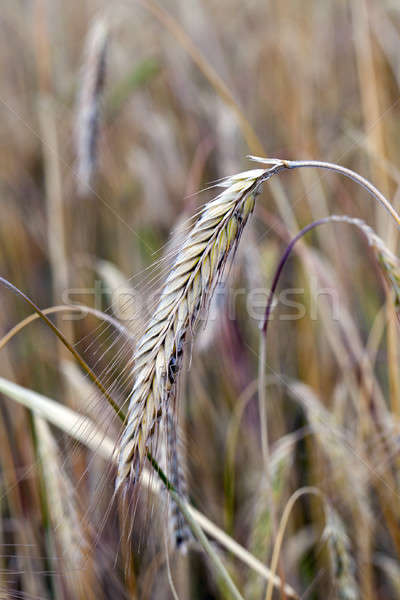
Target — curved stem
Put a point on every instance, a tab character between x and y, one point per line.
278	165
282	527
64	308
67	344
367	185
288	250
279	269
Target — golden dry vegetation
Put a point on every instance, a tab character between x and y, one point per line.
117	120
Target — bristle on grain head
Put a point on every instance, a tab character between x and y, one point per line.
197	268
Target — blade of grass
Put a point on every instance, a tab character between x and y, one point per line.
85	431
282	529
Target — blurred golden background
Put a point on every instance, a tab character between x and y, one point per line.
113	116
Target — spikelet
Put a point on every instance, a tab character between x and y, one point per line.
342	563
88	106
188	290
180	533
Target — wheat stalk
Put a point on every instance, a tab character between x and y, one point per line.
279	165
188	289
